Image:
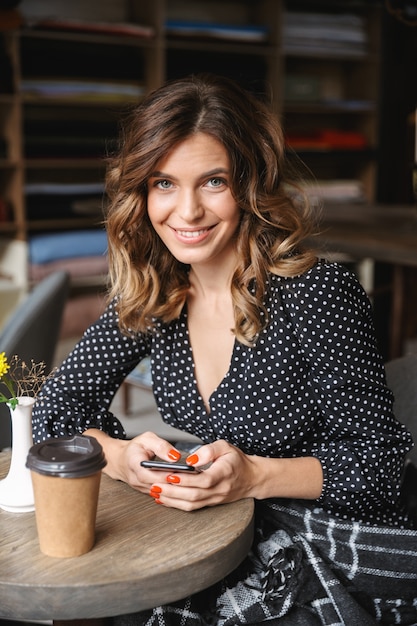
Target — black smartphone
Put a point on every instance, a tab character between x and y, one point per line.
169	466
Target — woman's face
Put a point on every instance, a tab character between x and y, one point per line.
190	203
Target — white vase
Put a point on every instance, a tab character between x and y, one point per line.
16	492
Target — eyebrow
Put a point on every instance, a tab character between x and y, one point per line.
214	172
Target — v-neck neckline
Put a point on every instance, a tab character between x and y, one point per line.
190	358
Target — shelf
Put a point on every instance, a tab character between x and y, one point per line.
7	228
7	164
64	163
88	102
332	55
367	153
221	47
7	99
325	108
88	38
73	223
51	138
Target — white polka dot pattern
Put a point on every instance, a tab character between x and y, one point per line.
313	385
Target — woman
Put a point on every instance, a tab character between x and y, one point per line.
263	351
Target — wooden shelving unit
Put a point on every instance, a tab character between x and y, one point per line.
63	139
331	91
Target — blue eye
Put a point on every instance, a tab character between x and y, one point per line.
163	184
216	182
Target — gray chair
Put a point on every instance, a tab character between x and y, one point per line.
402	380
32	332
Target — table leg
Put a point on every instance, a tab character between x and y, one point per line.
125	397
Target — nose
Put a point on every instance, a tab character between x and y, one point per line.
190	207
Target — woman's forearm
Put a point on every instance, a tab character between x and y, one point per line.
112	449
300	477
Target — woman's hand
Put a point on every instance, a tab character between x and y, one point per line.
232	475
228	475
124	457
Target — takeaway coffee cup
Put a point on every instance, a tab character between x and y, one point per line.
66	476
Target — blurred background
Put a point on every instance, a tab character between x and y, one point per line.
339	74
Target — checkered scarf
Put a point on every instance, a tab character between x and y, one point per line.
307	568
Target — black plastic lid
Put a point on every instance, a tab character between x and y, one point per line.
67	457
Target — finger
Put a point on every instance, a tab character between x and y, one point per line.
201	488
199	480
156	446
185	499
205	455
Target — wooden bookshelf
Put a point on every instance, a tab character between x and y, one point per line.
60	137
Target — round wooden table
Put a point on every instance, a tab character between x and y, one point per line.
145	555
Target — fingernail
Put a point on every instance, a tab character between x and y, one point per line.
157	501
192	459
174	455
156	489
173	478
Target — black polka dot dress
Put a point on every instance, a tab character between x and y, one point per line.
313	385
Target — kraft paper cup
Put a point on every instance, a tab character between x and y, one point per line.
66	476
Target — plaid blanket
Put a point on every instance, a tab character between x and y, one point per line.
307	568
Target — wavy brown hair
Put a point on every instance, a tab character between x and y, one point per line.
148	282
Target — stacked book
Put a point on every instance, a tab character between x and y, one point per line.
323	33
329	192
247	33
81	89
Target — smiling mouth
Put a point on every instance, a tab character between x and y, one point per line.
192	234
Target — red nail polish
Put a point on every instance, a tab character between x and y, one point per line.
153	494
156	489
174	479
174	455
192	459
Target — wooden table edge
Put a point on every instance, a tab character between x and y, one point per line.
20	600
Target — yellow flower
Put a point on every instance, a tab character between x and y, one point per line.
22	380
4	366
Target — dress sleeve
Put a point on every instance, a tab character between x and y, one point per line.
363	447
79	394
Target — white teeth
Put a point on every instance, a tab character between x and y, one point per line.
191	234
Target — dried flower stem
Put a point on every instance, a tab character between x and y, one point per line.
28	378
21	379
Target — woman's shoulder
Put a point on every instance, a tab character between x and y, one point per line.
328	290
321	272
322	285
